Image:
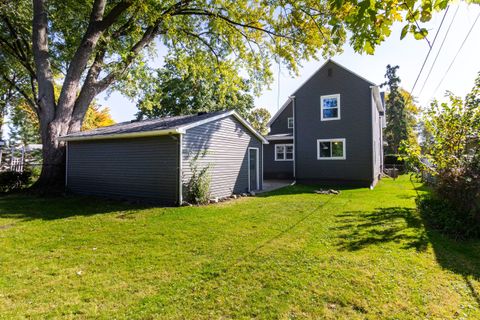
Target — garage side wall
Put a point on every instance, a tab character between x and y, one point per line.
126	168
223	146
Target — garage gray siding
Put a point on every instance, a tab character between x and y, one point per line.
130	168
226	142
276	169
355	126
280	125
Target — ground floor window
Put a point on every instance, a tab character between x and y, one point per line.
331	149
283	152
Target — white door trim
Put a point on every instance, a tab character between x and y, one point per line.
257	168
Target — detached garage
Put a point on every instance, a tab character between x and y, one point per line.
151	159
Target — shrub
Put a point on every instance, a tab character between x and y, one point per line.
440	214
13	180
198	187
450	158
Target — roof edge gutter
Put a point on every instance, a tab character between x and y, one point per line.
279	138
377	98
124	135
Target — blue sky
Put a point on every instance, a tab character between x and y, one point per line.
407	53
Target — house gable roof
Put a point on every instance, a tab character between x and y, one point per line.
275	116
157	127
279	112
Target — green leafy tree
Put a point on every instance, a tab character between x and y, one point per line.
452	158
23	125
401	113
174	91
259	118
88	47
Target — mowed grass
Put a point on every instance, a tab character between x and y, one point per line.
363	254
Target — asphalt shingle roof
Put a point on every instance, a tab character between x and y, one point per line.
165	123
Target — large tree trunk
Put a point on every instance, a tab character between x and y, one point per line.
67	116
53	166
55	119
53	154
52	177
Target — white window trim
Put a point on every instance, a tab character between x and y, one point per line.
332	140
337	96
288	123
284	151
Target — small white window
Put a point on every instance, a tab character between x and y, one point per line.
290	123
331	149
330	107
283	152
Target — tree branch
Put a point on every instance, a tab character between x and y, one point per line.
95	29
202	12
204	41
29	100
18	49
122	66
46	99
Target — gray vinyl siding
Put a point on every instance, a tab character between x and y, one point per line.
226	142
280	124
128	168
276	169
355	126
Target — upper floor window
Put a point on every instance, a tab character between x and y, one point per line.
283	152
290	123
331	149
330	107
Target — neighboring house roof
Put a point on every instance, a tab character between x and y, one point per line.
157	127
275	116
280	136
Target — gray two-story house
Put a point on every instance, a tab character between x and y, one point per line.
328	131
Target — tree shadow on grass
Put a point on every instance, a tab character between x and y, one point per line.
459	257
22	207
360	229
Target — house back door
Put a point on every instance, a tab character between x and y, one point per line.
253	170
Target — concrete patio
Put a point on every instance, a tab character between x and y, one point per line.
270	185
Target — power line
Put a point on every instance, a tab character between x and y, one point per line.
430	50
439	50
456	55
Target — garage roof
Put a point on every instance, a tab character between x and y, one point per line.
159	126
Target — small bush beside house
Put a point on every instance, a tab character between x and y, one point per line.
198	186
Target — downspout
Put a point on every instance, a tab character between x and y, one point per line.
262	167
180	169
66	165
375	112
293	136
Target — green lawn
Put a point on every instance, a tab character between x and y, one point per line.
288	254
